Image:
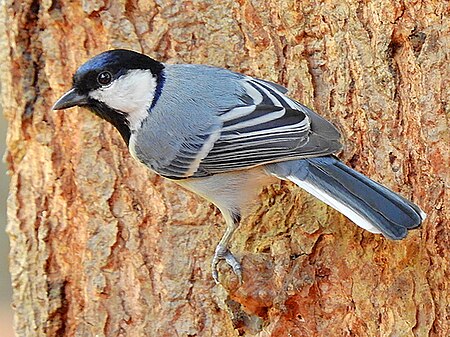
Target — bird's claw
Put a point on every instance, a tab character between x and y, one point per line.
223	253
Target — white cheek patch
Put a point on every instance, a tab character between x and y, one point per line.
131	94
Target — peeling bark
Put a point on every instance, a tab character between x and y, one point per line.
102	247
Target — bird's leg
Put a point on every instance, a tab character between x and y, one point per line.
222	251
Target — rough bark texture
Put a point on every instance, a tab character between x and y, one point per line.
102	247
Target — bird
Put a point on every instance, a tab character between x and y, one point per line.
224	135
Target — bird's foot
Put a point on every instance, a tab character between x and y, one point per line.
223	253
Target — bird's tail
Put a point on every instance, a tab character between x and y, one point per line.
365	202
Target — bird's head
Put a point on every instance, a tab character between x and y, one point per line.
118	85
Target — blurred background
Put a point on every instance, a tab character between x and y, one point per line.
5	284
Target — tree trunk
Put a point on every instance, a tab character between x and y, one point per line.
100	246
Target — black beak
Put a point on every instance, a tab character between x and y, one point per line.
70	99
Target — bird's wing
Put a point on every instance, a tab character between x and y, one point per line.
263	126
270	128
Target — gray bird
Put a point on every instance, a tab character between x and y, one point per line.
223	135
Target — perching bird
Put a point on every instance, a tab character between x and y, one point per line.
223	135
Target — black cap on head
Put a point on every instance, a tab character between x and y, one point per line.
117	62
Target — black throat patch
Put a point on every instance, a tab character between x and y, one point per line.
116	118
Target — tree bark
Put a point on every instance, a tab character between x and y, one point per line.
100	246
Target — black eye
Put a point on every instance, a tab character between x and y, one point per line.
104	78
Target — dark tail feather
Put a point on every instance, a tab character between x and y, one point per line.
367	203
